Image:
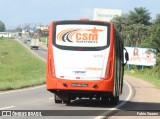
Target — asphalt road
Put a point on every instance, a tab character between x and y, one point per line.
38	98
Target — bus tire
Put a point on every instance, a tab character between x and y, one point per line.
66	101
57	99
114	100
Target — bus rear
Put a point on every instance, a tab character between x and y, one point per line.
81	61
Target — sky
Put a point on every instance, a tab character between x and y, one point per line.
18	12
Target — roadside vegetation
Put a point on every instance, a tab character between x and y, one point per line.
19	68
150	74
139	30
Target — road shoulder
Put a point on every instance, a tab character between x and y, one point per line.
146	98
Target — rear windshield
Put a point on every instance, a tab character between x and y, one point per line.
81	35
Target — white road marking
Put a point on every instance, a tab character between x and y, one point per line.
51	98
104	115
6	107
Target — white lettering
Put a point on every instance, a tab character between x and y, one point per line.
141	113
152	114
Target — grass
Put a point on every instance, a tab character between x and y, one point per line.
19	68
151	75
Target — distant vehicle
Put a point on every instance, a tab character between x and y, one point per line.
85	60
4	34
34	44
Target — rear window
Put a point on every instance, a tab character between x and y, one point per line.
81	35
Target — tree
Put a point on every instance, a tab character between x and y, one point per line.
152	40
2	27
133	26
39	32
121	23
137	30
157	20
18	29
140	15
140	20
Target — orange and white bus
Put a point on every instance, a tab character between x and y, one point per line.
85	59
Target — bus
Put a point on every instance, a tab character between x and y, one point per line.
85	59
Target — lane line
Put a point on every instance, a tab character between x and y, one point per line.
3	108
104	115
51	98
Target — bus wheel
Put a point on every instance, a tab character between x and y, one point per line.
57	99
66	101
114	100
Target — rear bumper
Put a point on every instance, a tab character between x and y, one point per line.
34	46
103	85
